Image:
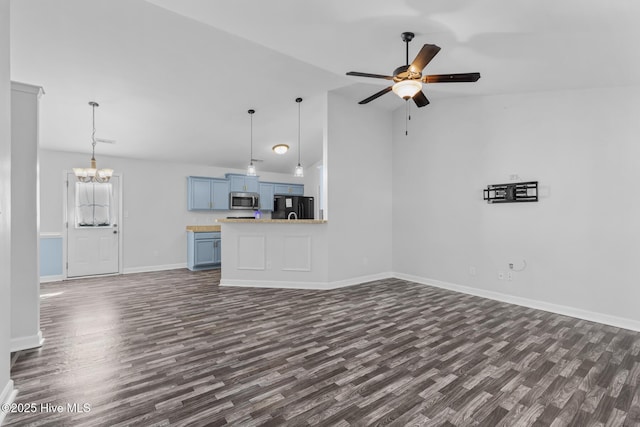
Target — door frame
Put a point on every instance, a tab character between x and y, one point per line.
65	226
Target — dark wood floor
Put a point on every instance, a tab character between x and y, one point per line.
172	348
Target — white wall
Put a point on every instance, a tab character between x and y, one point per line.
358	154
580	241
154	204
6	385
25	242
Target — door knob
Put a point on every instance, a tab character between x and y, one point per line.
115	231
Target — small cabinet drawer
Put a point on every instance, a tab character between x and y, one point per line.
202	236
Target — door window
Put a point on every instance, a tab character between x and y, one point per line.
93	204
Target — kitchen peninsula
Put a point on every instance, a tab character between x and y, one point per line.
276	253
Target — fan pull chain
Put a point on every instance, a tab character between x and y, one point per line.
407	117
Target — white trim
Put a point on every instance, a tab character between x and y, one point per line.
304	285
50	235
592	316
7	396
25	343
152	268
27	88
54	278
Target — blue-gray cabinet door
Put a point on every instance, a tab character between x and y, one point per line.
220	194
204	252
236	183
199	193
290	189
217	252
242	183
251	184
266	196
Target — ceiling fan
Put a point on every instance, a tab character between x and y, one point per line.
408	78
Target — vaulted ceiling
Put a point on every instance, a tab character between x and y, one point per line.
175	78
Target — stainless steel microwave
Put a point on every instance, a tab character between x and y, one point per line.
244	200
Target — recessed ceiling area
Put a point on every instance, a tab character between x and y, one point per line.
174	78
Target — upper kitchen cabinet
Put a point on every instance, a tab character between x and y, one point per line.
242	183
266	196
207	193
289	189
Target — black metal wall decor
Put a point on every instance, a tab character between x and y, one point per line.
512	193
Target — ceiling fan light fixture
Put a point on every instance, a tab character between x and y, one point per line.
280	148
407	89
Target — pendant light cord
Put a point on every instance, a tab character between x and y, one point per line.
298	100
251	136
299	132
93	133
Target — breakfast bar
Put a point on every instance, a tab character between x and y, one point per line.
274	253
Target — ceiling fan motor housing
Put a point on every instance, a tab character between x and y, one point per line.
405	73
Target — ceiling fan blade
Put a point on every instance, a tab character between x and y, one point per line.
420	99
375	76
375	95
452	78
423	57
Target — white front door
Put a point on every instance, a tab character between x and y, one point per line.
93	234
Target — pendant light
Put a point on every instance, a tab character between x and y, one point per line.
299	172
251	169
93	174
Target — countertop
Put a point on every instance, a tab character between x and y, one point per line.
203	228
273	221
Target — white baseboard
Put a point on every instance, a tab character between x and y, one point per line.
151	268
48	279
607	319
25	343
304	285
359	280
7	396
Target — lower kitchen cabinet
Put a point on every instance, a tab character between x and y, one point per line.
203	250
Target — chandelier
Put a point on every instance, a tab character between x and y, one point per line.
92	173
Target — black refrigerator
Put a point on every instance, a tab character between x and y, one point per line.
285	206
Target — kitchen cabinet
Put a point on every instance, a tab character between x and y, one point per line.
266	196
242	183
203	250
207	193
289	189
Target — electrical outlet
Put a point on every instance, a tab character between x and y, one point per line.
501	275
510	275
510	266
472	270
